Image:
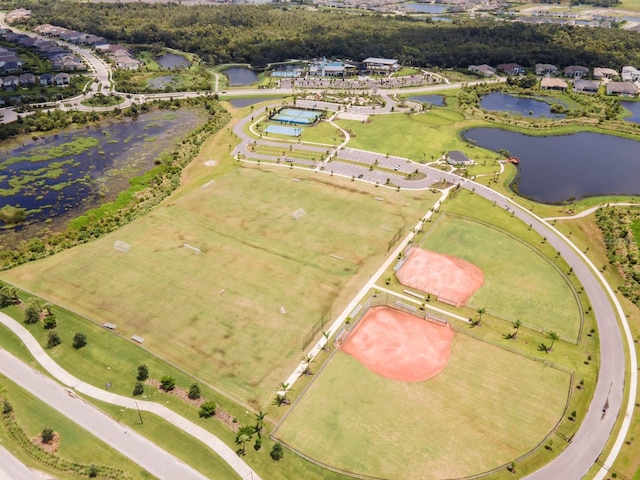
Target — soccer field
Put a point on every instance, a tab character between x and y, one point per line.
217	314
487	408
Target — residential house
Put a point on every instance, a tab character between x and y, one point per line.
484	70
11	82
381	65
630	74
46	79
11	66
511	68
546	69
27	79
622	89
62	79
576	71
457	158
601	73
553	84
586	86
125	62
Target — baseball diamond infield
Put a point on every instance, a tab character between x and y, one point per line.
400	346
451	279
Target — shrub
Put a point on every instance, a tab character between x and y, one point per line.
7	408
46	435
277	452
53	340
194	391
208	409
138	389
31	314
50	322
79	340
168	383
93	471
143	373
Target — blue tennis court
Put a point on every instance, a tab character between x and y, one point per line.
291	131
296	117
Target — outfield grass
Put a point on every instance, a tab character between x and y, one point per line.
487	408
252	248
519	282
76	444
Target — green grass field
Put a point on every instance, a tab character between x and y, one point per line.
487	408
253	249
519	283
76	444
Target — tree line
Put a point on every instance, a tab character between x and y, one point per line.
262	34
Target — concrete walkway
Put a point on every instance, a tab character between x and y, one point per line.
589	211
213	442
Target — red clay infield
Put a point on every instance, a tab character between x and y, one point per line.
399	346
451	279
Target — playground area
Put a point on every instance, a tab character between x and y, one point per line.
452	280
400	346
295	116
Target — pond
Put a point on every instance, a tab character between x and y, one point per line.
435	100
425	7
58	177
559	168
525	106
159	83
240	76
634	108
173	60
245	102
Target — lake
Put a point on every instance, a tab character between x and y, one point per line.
58	177
425	7
557	168
634	108
435	100
240	76
173	60
525	106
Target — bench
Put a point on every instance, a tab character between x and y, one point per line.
411	308
137	338
110	326
414	294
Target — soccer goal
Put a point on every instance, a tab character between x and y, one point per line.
122	246
192	248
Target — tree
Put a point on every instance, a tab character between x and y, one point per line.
277	452
143	373
138	389
481	311
207	409
50	322
8	296
31	314
7	408
244	434
53	340
517	324
260	416
307	359
194	391
281	393
79	340
168	383
93	471
326	337
46	436
553	336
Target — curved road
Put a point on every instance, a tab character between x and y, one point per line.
210	440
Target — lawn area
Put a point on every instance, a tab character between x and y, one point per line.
422	136
217	314
519	282
76	444
487	408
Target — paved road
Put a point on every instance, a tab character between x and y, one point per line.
12	469
134	446
210	440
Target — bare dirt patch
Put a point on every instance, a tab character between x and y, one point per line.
51	447
399	346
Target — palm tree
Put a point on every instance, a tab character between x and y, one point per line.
307	359
481	311
326	337
260	416
244	434
283	388
517	324
553	336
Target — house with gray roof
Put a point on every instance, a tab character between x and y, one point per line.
576	71
546	69
601	72
457	158
484	70
586	86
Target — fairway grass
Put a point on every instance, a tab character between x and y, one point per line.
519	282
217	314
487	408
